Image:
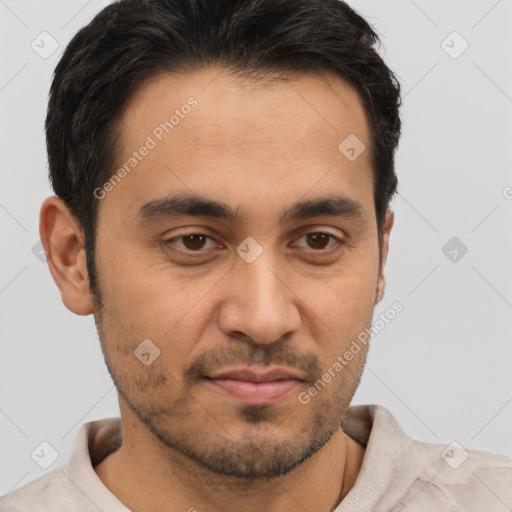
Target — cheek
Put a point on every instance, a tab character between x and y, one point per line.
162	304
143	297
346	297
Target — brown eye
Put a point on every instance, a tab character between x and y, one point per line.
193	242
318	241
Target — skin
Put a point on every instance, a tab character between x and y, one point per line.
259	148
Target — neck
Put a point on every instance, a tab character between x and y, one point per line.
147	477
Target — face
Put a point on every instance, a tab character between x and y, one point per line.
237	258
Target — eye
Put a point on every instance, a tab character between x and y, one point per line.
200	242
319	240
191	241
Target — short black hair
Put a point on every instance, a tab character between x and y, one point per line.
132	41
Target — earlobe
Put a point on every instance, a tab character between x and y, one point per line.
386	232
62	240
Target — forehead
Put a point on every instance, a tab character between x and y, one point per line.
312	104
213	133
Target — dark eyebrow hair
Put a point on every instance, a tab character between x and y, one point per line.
194	205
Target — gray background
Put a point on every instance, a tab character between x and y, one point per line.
442	366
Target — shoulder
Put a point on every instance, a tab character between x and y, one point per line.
74	485
457	479
408	475
46	493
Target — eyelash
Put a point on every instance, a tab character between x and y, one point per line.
171	241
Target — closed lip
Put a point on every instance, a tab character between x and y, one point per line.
255	374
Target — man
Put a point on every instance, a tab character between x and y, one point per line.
223	173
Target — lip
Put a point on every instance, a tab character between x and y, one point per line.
258	387
257	375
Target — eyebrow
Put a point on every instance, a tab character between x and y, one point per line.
199	206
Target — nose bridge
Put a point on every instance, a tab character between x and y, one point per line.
265	286
260	306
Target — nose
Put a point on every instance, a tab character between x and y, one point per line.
260	303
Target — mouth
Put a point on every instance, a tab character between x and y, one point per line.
256	386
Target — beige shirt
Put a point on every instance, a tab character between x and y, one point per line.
398	473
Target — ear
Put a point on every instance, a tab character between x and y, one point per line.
62	240
386	231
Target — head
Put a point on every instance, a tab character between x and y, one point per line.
223	172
